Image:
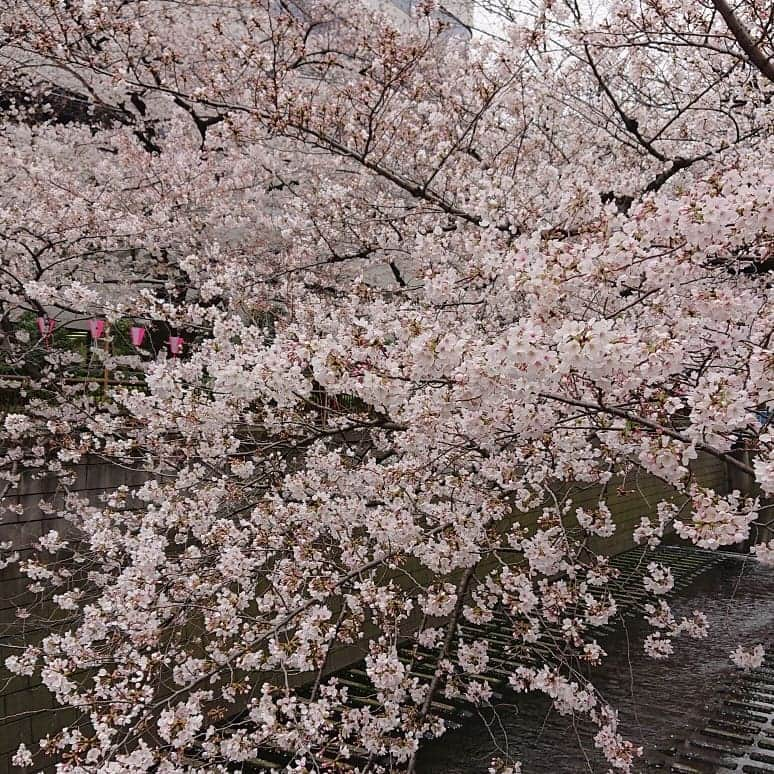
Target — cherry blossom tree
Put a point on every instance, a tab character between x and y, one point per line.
429	286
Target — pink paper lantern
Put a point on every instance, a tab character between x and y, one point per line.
46	326
96	328
137	334
175	345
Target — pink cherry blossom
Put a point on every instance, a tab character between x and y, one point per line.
422	309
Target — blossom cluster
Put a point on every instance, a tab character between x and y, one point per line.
447	301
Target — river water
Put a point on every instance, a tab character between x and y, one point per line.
659	702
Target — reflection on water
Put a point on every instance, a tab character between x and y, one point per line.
660	702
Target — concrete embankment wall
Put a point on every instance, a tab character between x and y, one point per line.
23	701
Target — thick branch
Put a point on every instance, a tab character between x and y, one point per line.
742	36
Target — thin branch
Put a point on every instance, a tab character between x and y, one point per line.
451	629
634	419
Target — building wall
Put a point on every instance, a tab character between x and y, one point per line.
458	12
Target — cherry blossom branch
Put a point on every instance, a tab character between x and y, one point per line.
634	419
742	36
451	630
631	124
416	190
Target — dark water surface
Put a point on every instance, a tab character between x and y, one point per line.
659	702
